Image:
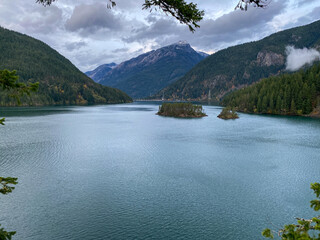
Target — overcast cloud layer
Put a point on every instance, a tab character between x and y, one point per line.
90	34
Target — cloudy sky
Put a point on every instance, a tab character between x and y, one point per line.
89	34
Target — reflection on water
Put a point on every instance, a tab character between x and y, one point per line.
131	109
32	111
122	172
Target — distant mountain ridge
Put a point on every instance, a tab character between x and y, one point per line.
61	83
146	74
100	71
241	65
203	54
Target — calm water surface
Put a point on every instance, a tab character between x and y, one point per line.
122	172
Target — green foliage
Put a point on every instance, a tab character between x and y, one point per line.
305	229
186	13
45	2
267	233
187	110
4	235
228	113
243	4
60	82
49	2
6	187
6	183
294	94
241	65
9	82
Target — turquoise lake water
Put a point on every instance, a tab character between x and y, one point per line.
122	172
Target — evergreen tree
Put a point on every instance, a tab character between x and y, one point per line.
264	105
293	109
278	105
271	105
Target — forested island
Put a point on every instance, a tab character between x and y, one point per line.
181	110
288	94
228	113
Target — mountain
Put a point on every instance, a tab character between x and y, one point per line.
60	81
148	73
203	54
100	71
288	94
242	65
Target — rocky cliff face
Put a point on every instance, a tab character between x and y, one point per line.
268	58
148	73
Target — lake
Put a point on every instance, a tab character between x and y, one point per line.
122	172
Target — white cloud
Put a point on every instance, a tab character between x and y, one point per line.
92	17
297	58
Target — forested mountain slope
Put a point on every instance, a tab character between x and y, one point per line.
148	73
60	81
288	94
241	65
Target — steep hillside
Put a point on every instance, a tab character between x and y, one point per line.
148	73
98	73
288	94
241	65
60	81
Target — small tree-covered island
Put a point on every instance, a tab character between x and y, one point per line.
228	113
181	110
